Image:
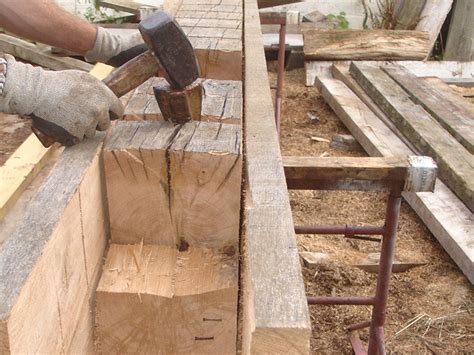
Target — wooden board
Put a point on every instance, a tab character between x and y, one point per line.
140	10
215	30
455	163
448	93
443	70
221	102
155	299
33	54
432	18
50	263
399	173
341	72
174	185
275	316
409	15
320	44
448	219
19	170
460	44
457	122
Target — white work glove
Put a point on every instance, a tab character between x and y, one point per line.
115	49
65	105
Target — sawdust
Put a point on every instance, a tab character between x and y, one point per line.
437	289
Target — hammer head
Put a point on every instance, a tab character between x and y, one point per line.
166	39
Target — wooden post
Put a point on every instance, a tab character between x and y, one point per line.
170	184
460	44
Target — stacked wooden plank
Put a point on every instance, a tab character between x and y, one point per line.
392	112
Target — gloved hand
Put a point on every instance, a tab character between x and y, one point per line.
65	105
114	49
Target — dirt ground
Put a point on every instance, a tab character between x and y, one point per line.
431	307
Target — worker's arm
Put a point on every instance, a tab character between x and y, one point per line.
44	21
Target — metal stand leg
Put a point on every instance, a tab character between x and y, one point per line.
281	71
379	301
376	337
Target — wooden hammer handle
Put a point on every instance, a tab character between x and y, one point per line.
134	73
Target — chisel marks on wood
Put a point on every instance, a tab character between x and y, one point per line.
181	184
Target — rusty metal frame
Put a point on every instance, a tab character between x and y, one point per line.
379	301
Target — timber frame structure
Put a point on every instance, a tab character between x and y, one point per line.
62	216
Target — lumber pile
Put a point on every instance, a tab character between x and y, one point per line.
392	112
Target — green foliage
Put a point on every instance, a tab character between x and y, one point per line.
93	14
341	20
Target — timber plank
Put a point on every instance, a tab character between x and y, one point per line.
321	44
444	89
221	102
454	120
275	310
31	53
363	174
432	18
454	161
460	43
444	214
19	170
44	263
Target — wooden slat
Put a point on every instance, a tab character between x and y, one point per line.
19	170
341	72
444	214
457	122
457	99
460	44
432	18
454	161
31	53
347	173
320	44
221	102
49	264
275	311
